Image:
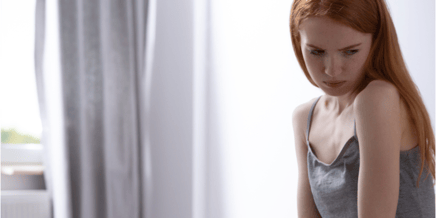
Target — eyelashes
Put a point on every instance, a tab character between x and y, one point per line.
351	52
317	52
346	53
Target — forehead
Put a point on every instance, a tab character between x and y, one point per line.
328	33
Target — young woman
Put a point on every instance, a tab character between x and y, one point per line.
366	148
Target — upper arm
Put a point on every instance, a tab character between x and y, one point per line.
377	110
300	138
305	203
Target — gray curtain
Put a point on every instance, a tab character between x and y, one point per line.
102	49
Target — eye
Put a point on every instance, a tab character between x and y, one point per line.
351	52
317	52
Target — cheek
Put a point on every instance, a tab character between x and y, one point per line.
314	65
360	60
356	65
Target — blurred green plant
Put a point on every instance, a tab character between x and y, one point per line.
12	136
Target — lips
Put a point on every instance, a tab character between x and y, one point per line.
334	84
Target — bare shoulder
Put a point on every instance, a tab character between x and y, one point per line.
301	112
300	116
377	111
379	94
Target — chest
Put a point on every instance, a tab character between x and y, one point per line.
328	137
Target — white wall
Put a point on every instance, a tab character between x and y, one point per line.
256	84
415	25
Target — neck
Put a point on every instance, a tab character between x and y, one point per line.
339	104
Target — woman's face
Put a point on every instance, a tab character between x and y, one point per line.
334	54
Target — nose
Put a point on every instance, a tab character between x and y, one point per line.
333	66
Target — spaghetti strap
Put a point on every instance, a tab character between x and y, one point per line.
355	133
309	120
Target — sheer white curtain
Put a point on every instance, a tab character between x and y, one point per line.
122	92
90	75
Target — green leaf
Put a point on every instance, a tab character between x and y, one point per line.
12	136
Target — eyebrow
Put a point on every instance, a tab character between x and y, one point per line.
346	48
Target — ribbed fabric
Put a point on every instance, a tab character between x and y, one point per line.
334	186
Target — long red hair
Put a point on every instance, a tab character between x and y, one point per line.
385	63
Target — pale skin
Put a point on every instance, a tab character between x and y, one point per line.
383	125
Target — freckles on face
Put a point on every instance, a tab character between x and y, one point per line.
333	51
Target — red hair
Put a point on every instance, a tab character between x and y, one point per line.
385	63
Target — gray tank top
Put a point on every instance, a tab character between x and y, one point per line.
334	186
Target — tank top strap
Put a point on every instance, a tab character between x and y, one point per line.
309	120
355	133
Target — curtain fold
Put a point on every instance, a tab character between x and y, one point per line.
101	60
116	82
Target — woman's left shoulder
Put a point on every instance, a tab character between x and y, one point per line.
378	93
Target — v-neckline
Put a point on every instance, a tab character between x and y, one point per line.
341	153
